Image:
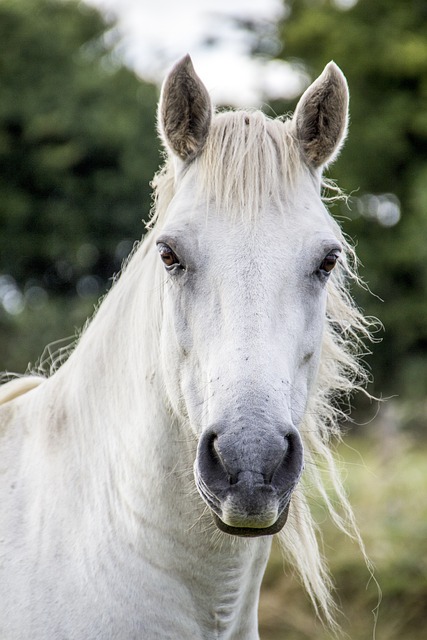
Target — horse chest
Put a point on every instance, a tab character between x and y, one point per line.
124	595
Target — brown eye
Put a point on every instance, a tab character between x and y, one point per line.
168	257
328	263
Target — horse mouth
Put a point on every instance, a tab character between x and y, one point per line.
252	532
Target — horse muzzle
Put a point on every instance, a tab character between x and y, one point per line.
247	477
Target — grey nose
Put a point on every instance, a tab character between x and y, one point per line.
229	457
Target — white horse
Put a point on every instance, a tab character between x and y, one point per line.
142	482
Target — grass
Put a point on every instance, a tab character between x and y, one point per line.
387	485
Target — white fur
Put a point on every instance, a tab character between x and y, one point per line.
103	532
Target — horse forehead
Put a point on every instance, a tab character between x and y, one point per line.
204	224
292	228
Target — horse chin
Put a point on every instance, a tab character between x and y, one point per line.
253	532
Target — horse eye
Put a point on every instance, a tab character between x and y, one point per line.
328	263
168	256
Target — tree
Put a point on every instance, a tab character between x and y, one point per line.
77	151
77	147
382	48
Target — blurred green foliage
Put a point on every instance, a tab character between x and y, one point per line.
37	336
382	48
386	478
77	145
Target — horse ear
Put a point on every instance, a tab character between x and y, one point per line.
185	111
321	117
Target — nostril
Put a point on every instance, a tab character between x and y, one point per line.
268	478
213	449
213	445
216	454
288	471
210	461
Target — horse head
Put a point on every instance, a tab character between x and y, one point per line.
247	248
